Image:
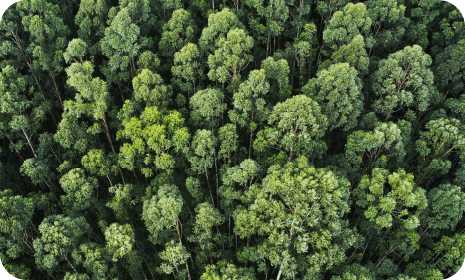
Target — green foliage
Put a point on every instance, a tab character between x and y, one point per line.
160	212
292	200
156	138
248	139
231	56
59	236
177	32
186	69
79	191
15	219
296	127
224	271
403	82
383	206
338	92
120	240
207	106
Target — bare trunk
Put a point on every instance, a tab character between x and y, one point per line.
280	272
107	131
208	183
29	142
58	93
188	273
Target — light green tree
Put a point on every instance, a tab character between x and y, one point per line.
296	127
338	92
59	235
404	82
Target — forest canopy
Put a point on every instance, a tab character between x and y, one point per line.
234	139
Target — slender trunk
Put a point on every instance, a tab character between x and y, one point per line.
250	145
29	142
280	272
71	265
188	273
109	180
107	130
217	183
153	277
208	184
58	93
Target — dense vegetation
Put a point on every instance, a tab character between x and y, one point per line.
241	139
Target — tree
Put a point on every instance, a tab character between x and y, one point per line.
47	41
219	24
20	116
383	206
177	33
250	108
443	137
404	82
448	69
94	258
229	142
230	57
59	236
15	220
149	89
275	14
239	184
207	216
445	207
96	162
296	127
202	154
389	24
298	210
223	271
164	208
92	99
374	149
338	92
207	107
120	240
156	139
174	255
186	69
277	73
120	46
79	191
346	25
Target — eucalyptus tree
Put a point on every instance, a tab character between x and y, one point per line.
91	19
59	235
177	33
47	42
338	92
297	211
230	57
15	225
345	26
80	191
404	83
448	70
296	127
187	70
250	109
389	24
275	13
157	141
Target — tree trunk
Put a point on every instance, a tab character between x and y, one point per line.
29	142
280	272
